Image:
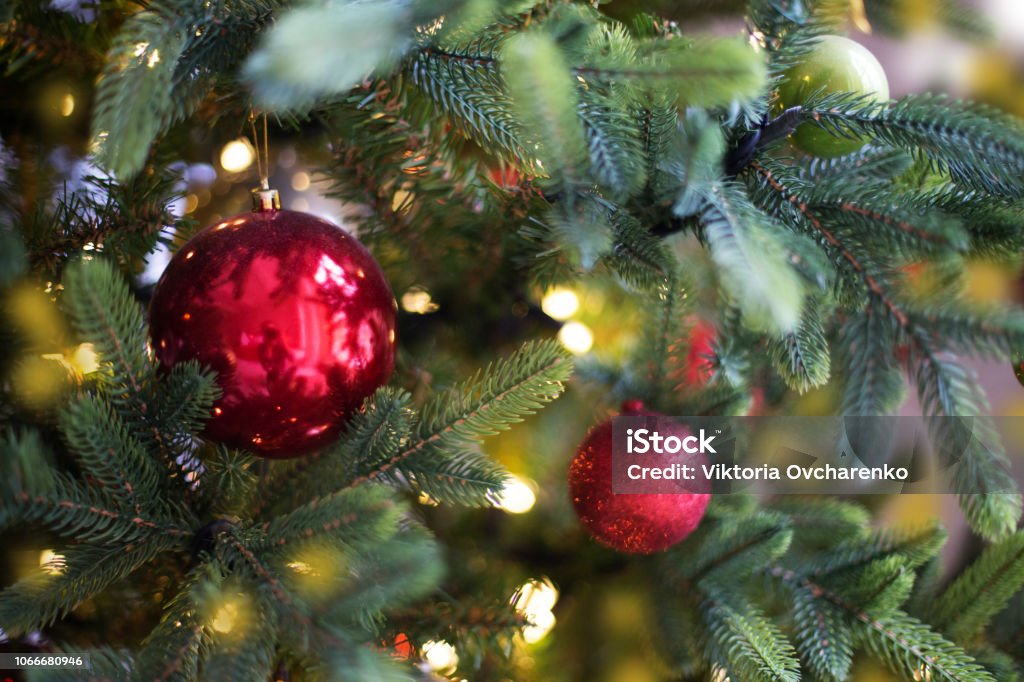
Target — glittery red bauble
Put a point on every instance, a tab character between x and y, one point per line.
635	523
295	316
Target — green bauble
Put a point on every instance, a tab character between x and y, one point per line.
1018	366
836	64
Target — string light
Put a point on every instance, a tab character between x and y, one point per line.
67	104
560	304
237	155
224	619
417	300
301	181
517	497
576	337
51	562
535	600
440	656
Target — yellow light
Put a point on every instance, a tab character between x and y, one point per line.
191	203
67	105
237	155
84	360
302	568
576	337
51	562
517	497
560	304
540	625
300	181
535	596
225	618
426	500
417	300
154	59
440	656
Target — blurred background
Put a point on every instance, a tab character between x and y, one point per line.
924	45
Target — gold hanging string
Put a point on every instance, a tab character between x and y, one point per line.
262	155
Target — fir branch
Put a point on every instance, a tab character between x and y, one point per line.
482	406
729	551
37	601
914	546
981	590
823	637
749	645
910	648
109	455
478	107
545	101
821	521
351	516
754	265
801	357
105	313
906	645
874	382
978	147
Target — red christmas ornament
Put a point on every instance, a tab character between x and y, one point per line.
635	523
699	364
292	312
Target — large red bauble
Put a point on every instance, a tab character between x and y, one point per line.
635	523
295	316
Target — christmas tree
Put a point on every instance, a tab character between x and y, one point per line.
259	469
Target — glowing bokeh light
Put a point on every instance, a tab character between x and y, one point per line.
576	337
560	304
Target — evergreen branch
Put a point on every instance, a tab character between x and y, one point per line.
246	655
380	429
477	107
731	550
388	575
874	384
109	455
351	516
484	405
801	356
754	266
133	98
948	390
906	645
823	637
821	521
637	256
914	546
977	146
544	98
749	645
981	590
616	155
172	651
37	601
910	648
75	513
105	312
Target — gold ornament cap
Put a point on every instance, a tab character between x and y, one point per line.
265	199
